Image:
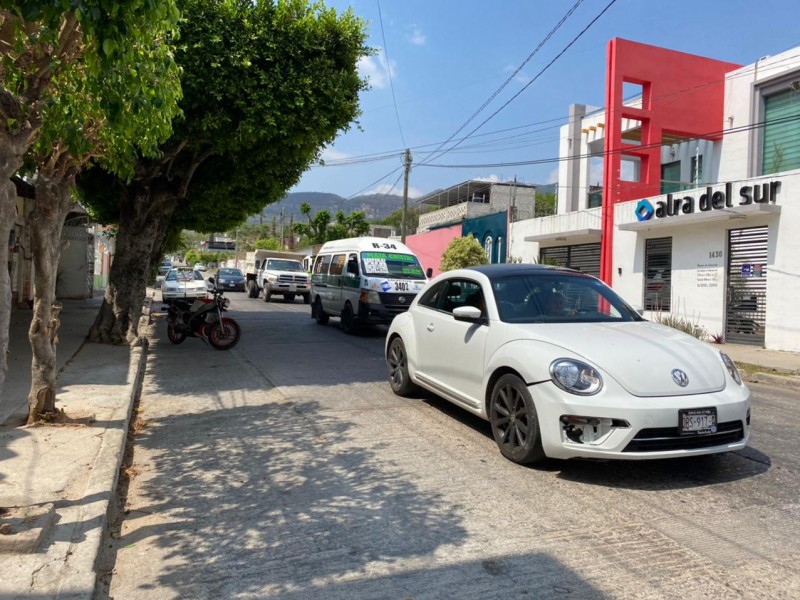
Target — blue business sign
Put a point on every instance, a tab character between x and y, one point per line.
644	210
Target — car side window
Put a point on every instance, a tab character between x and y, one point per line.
430	297
463	292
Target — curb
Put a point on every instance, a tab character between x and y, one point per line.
79	574
786	381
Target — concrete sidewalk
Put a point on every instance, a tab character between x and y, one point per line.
56	481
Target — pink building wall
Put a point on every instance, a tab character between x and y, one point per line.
430	246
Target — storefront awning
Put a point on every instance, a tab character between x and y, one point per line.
736	212
574	236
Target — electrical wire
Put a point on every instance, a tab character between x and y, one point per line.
486	103
527	85
389	72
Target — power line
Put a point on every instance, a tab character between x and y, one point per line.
507	81
527	85
659	144
389	72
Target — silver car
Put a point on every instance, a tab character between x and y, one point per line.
183	282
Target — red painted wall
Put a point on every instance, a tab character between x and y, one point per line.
682	94
430	246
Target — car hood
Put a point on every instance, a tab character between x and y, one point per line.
640	355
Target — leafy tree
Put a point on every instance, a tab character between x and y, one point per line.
319	229
55	56
463	252
395	218
265	85
545	204
267	244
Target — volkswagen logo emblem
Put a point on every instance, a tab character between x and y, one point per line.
679	377
402	299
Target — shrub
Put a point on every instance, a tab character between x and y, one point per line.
685	324
463	252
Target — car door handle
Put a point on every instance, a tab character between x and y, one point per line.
430	327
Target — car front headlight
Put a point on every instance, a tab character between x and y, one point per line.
734	372
575	377
221	280
272	278
373	298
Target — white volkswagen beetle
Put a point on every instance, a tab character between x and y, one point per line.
562	367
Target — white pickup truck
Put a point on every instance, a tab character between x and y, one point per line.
283	274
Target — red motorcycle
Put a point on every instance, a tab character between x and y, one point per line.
203	318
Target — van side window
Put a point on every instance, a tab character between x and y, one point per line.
322	264
352	265
337	264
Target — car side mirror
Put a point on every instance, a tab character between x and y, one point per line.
470	314
429	272
352	268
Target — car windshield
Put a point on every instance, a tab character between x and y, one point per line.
229	273
184	275
559	298
283	264
390	264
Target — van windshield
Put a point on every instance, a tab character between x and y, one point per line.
391	264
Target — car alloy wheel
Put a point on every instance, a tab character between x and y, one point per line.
397	362
515	425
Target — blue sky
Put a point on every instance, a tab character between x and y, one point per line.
440	61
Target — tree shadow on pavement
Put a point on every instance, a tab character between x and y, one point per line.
272	497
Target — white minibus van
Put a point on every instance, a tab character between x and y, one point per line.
365	280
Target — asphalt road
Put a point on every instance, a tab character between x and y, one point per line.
286	468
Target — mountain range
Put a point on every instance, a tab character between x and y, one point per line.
375	206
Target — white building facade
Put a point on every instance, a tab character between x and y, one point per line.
716	240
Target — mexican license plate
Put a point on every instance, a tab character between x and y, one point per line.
697	421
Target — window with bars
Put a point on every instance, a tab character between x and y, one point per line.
658	274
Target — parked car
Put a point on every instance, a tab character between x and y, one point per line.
562	367
183	282
164	268
230	279
200	267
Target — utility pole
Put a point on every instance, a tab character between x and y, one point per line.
282	248
403	226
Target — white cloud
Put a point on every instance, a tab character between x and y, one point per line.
521	78
417	37
386	188
331	154
552	176
376	70
493	178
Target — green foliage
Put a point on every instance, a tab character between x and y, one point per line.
395	218
267	244
194	256
319	229
463	252
265	86
681	323
94	77
545	204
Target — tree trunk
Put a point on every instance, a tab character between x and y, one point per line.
8	195
12	149
51	206
144	216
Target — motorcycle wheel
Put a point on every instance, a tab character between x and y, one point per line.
174	334
224	334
